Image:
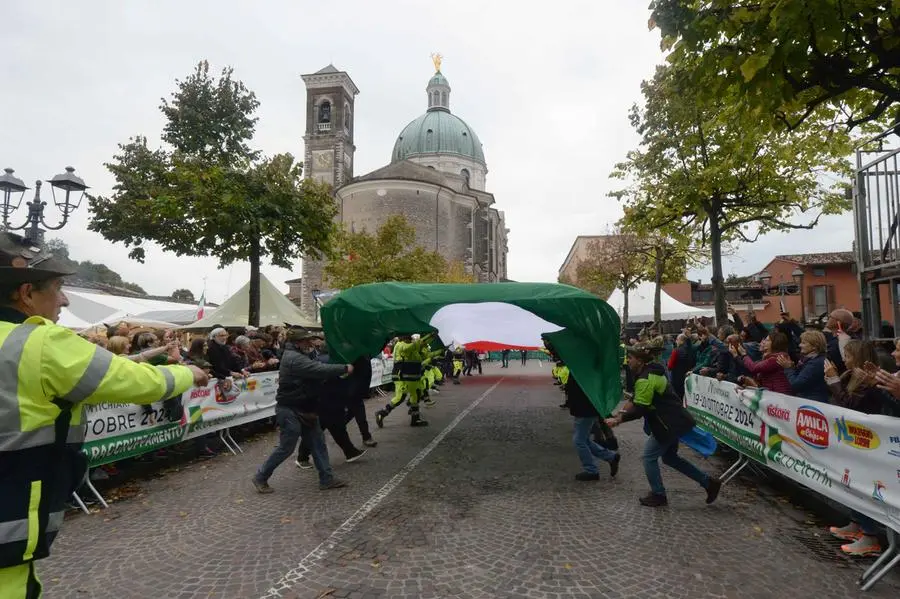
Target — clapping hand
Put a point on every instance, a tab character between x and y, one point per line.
784	361
830	369
888	382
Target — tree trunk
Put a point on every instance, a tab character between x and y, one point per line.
718	281
253	311
624	306
660	265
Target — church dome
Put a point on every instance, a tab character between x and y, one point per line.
438	132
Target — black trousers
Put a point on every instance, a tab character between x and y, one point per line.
334	423
356	409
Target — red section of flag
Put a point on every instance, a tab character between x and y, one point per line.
484	346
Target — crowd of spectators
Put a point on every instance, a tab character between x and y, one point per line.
827	362
228	355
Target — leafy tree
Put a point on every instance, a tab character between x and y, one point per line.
716	173
390	254
619	260
207	193
734	279
790	58
457	273
184	295
669	260
89	271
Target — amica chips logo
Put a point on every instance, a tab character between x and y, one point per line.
812	427
855	434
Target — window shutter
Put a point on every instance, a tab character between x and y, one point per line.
811	302
831	298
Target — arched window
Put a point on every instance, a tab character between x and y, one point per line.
444	99
429	140
347	116
325	112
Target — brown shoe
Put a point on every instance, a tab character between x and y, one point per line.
654	500
334	483
262	486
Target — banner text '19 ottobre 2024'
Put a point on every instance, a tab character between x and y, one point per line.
119	431
850	457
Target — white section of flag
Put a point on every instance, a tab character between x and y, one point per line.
490	321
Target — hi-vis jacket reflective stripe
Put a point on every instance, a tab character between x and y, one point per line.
47	375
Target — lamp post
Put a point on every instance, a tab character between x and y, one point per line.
13	190
797	274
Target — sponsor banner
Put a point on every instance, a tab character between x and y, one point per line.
850	457
387	371
119	431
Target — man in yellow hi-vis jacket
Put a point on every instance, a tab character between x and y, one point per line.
47	375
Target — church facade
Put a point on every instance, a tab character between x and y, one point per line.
436	178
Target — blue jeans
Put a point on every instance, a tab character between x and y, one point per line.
587	449
291	430
869	527
668	451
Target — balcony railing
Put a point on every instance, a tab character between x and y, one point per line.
324	127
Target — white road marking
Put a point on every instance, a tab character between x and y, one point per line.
313	558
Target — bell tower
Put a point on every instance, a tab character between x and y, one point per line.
328	155
330	96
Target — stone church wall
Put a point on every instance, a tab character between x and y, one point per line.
441	225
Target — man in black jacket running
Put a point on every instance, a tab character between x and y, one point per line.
296	411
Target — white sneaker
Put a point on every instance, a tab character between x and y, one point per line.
305	465
864	546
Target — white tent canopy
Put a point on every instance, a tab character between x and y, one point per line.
90	307
274	309
497	322
640	305
69	320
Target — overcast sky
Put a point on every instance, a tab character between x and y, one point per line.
546	89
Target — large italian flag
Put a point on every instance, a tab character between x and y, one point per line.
583	328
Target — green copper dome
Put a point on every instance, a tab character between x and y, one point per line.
438	79
438	132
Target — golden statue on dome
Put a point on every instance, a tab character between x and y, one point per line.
436	59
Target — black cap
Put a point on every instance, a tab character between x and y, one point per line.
22	261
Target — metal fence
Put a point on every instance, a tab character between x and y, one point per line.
876	214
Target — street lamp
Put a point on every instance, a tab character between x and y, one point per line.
797	274
68	182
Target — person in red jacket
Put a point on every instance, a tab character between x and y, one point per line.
766	373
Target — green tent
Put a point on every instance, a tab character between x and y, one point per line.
583	329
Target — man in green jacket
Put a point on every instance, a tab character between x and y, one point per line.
665	420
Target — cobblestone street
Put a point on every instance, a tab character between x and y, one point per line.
481	504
